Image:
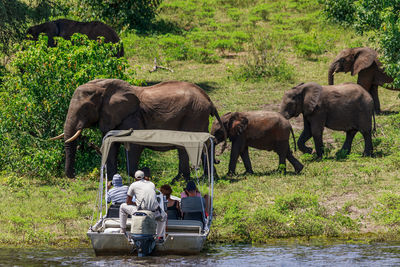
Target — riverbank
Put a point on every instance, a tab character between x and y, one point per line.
263	208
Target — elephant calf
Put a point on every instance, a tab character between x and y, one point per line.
344	107
259	129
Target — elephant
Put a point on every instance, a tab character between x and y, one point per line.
364	62
66	28
259	129
344	107
114	104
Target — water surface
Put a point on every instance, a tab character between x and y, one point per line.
380	254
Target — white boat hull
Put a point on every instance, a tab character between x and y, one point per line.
118	244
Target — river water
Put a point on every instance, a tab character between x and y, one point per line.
379	254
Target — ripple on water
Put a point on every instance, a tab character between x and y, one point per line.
379	254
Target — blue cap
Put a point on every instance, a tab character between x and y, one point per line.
117	180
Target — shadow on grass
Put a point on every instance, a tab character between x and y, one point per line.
208	86
238	177
388	112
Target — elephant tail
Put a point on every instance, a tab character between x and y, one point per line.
294	139
215	113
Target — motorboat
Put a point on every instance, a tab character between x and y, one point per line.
186	236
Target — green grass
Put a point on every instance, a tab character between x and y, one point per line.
209	43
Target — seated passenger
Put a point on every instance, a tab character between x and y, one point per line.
117	194
190	190
173	207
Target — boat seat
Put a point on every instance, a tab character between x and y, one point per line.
114	223
193	208
181	226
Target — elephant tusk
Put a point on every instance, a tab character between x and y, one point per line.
57	137
76	135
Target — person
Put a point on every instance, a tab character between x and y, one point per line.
146	199
147	174
173	207
190	190
117	194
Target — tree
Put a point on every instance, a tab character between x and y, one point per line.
137	14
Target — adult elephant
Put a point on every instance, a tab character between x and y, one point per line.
344	107
115	104
259	129
65	28
364	62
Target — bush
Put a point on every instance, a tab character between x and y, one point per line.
340	11
263	62
137	14
35	96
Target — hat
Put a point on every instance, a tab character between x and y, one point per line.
117	180
191	186
139	175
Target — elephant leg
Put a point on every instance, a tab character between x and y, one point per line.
246	160
319	145
295	163
304	137
375	97
184	169
349	140
112	160
134	154
281	149
237	148
368	143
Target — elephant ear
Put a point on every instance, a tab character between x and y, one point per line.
237	124
118	103
311	94
364	58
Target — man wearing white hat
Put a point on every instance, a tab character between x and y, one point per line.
145	193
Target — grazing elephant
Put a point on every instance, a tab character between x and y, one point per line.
259	129
364	62
344	107
66	28
115	104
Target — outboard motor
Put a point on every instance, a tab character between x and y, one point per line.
143	231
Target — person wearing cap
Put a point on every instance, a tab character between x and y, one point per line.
117	194
145	193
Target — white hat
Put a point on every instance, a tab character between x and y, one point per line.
139	175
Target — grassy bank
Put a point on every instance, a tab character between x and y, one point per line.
245	56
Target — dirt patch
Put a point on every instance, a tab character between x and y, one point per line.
340	203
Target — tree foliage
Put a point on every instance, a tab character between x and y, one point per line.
137	14
376	17
35	96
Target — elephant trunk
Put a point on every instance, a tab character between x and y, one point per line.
331	73
70	152
71	128
389	86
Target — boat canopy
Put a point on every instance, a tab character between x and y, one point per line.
192	142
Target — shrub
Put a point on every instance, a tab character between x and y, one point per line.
35	95
137	14
340	11
261	10
263	62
